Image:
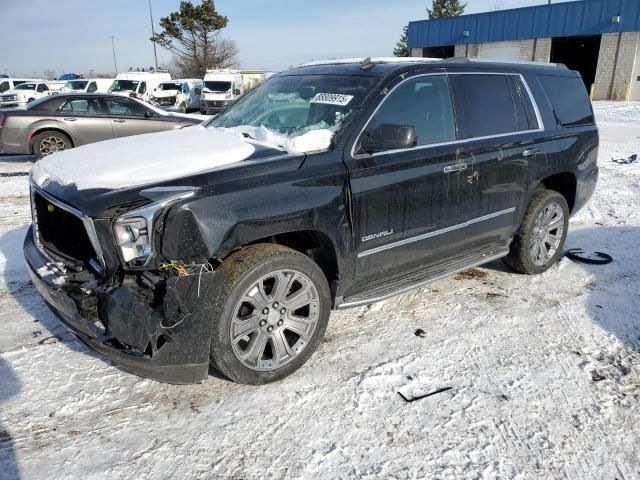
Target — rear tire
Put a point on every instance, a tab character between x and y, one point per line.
271	314
540	239
49	142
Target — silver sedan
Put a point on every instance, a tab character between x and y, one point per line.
65	121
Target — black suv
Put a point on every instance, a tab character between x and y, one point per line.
329	186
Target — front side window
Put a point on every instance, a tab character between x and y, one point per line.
93	87
4	86
42	88
125	107
484	105
143	88
423	103
297	104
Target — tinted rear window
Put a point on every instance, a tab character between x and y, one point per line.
484	105
569	99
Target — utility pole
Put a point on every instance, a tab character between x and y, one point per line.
153	34
113	47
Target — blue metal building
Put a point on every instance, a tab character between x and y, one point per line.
599	38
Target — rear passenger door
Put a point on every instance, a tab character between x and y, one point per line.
500	135
85	120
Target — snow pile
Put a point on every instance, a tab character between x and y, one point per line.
312	141
142	160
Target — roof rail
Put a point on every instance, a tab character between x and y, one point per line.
500	60
371	60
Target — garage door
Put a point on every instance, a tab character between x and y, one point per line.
500	50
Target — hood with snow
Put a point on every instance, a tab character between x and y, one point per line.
160	157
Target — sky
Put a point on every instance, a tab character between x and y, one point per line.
73	35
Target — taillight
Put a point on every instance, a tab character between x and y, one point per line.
3	119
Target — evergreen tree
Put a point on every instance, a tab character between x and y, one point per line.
446	8
402	46
192	35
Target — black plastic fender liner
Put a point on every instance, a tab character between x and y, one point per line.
578	255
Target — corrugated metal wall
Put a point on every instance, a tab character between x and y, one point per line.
585	17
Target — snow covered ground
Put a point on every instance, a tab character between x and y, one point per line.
544	373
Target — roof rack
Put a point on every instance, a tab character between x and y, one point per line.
371	60
501	60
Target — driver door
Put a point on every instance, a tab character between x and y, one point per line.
405	201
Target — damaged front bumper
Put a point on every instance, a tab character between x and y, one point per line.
167	339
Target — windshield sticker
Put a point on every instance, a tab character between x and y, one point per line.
332	99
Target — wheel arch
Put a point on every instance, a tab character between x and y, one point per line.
315	244
43	129
564	183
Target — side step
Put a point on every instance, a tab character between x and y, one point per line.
419	279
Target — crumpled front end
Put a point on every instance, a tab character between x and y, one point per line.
155	324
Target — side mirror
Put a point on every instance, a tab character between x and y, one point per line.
236	91
148	114
389	137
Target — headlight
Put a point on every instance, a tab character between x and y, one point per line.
133	230
132	236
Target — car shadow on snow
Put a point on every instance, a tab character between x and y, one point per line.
9	387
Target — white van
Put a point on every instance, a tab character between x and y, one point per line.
24	92
138	84
87	85
222	87
182	95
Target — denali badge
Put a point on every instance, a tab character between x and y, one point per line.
373	236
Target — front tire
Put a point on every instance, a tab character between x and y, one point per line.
271	314
540	239
47	143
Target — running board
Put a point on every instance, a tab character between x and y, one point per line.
409	283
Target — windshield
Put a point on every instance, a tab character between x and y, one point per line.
76	85
123	85
169	86
294	105
26	86
218	87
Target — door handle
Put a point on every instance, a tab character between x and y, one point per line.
70	119
118	120
458	167
531	152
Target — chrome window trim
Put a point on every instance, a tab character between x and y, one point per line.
435	233
536	110
87	222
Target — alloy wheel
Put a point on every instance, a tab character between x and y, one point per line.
547	234
51	144
274	320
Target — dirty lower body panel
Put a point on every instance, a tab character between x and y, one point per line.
163	335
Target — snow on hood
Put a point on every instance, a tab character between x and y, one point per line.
142	159
312	141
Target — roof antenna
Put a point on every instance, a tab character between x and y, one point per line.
367	64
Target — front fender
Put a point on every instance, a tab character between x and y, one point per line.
311	198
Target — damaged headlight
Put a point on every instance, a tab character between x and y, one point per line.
132	236
133	230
